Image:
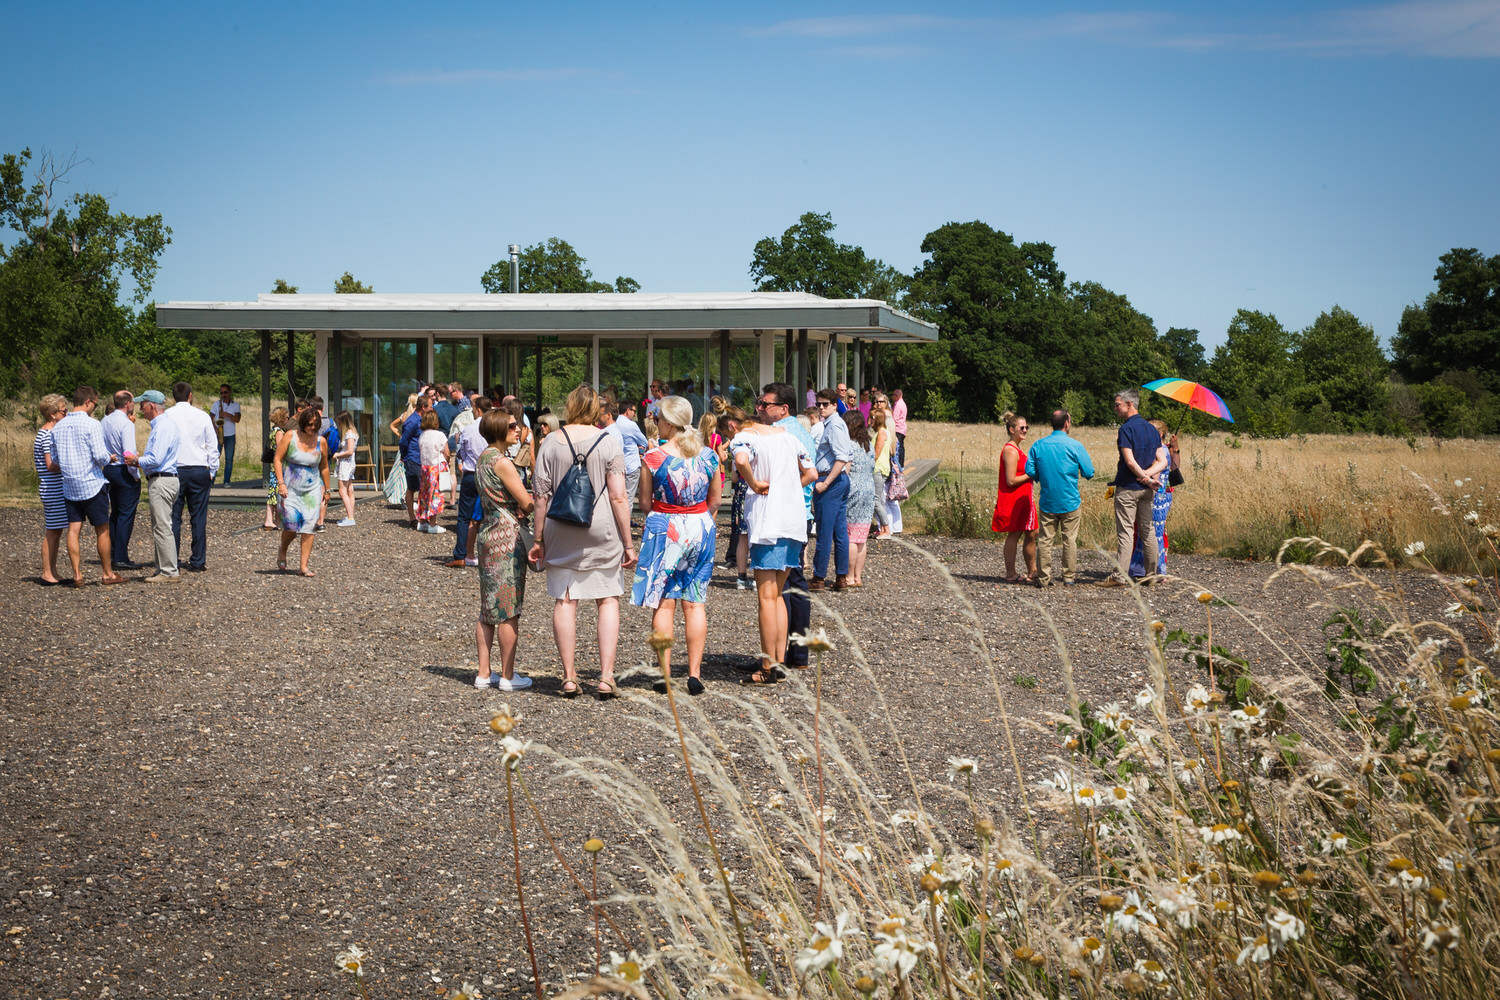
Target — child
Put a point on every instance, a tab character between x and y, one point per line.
344	469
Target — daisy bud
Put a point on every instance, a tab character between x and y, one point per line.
1110	903
1267	880
660	641
593	845
1133	982
865	985
931	883
984	829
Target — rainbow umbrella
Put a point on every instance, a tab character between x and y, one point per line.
1191	394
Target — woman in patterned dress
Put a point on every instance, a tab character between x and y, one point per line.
302	477
860	506
502	553
273	494
680	498
49	484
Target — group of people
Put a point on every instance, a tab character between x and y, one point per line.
1038	500
88	471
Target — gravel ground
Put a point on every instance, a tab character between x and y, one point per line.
211	788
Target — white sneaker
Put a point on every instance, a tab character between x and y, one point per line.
471	562
347	522
436	529
482	683
423	527
516	683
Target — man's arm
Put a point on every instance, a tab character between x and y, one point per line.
1085	463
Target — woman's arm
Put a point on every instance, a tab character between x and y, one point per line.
715	494
511	480
643	489
1014	477
619	502
323	465
282	440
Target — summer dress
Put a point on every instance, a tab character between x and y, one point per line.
677	546
1014	510
49	484
860	506
502	557
304	487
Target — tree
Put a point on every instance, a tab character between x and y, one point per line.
1254	362
807	259
347	285
282	288
1183	347
1341	363
1457	328
553	266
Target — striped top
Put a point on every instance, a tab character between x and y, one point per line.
50	483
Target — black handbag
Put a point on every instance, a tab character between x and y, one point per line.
573	497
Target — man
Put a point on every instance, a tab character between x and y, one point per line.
794	590
197	462
1135	484
1056	462
839	399
466	416
774	461
78	451
410	450
812	396
469	446
226	414
158	463
898	423
118	427
448	407
632	442
658	393
830	494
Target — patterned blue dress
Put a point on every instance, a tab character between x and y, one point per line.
677	546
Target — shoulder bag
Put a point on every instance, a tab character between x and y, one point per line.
573	498
895	486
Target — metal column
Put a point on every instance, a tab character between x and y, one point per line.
724	363
291	373
804	370
859	359
335	372
265	390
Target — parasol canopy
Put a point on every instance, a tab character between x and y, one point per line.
1192	394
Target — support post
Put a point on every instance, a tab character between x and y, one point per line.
291	373
650	366
724	363
821	370
265	392
875	365
788	365
804	370
335	372
536	402
594	352
859	357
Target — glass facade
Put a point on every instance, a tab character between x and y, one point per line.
377	377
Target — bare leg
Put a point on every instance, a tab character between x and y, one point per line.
1029	551
1010	554
509	633
484	636
609	636
346	493
307	544
270	511
695	620
742	555
768	594
564	621
411	507
469	542
857	562
781	622
75	557
286	542
50	538
664	620
105	551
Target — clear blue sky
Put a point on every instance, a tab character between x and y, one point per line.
1196	157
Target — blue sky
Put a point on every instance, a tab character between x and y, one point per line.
1197	158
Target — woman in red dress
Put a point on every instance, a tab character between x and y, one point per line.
1015	513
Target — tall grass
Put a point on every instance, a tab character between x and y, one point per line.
1242	497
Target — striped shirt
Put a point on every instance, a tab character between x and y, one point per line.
78	448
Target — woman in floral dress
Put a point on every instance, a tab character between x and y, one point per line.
501	550
681	498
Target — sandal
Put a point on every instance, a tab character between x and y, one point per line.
570	689
765	675
306	572
605	690
1011	579
281	565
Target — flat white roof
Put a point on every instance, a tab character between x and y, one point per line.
480	312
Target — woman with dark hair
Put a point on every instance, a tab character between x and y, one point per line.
433	447
279	417
860	505
502	554
302	476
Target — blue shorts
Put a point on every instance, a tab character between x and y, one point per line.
94	510
778	555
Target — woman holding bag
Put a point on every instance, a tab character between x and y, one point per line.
502	551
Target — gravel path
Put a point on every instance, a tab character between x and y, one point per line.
211	788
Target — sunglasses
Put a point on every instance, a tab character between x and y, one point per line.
824	402
764	404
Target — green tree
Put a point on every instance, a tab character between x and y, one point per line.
808	259
281	287
1457	328
1186	352
553	266
1340	363
348	285
1254	362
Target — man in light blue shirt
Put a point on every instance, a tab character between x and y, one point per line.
78	450
831	493
158	464
1056	461
632	442
124	485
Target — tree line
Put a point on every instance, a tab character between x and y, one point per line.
1016	334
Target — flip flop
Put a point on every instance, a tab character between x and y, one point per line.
306	572
50	583
110	581
281	565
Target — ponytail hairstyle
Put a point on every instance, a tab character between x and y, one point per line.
1009	420
676	412
708	425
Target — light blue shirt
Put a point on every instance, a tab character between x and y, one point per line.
78	449
119	436
632	442
161	447
795	428
834	445
1056	461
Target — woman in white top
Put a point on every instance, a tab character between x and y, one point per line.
344	464
433	445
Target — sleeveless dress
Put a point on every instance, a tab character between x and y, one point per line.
502	557
304	487
49	484
860	506
1014	510
1161	505
677	545
273	494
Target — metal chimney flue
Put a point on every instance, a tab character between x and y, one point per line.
515	268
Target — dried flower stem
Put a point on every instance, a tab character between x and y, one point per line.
818	761
515	845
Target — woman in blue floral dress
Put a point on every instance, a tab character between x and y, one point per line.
681	498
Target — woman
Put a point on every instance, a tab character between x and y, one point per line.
1161	505
862	505
584	562
880	426
278	420
1015	514
50	485
521	451
302	477
708	431
433	446
345	462
502	553
737	552
680	498
411	407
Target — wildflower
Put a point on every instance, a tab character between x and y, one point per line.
1112	716
817	641
923	863
1060	781
1118	795
1143	698
1188	771
801	757
593	845
1092	948
1131	914
1285	927
1457	861
1151	969
351	961
1257	949
902	817
1003	868
776	803
899	951
1204	596
512	750
1219	833
891	923
1197	700
1415	549
961	765
660	641
1409	880
1086	797
1439	935
829	815
1247	717
504	720
629	968
858	853
1489	531
826	946
1472	517
1335	843
1454	610
1181	904
468	991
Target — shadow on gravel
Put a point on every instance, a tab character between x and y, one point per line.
461	675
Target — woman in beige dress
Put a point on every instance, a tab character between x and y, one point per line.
584	563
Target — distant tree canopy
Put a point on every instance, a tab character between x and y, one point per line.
807	259
346	285
553	266
1457	328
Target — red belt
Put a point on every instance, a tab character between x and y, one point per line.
672	508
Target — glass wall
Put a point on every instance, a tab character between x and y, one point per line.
456	361
378	375
622	368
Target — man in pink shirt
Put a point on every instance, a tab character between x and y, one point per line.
898	420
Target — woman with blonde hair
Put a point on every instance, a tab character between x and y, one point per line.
879	425
680	499
278	420
1015	514
583	561
50	485
411	407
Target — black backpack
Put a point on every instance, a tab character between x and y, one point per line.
573	497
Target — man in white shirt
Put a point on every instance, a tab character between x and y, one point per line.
124	481
197	463
226	414
469	446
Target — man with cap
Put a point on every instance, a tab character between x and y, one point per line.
158	463
124	484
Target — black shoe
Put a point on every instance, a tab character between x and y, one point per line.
196	569
695	686
659	685
129	565
318	527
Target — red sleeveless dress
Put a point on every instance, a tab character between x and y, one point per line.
1014	510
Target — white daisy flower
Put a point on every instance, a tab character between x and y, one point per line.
826	946
512	750
351	961
900	951
961	765
858	853
1144	698
904	817
1415	549
1257	949
1410	880
1219	833
1285	927
1091	948
628	968
1334	843
1189	771
1151	969
1440	935
1180	903
1197	700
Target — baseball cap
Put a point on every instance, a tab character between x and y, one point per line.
151	396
